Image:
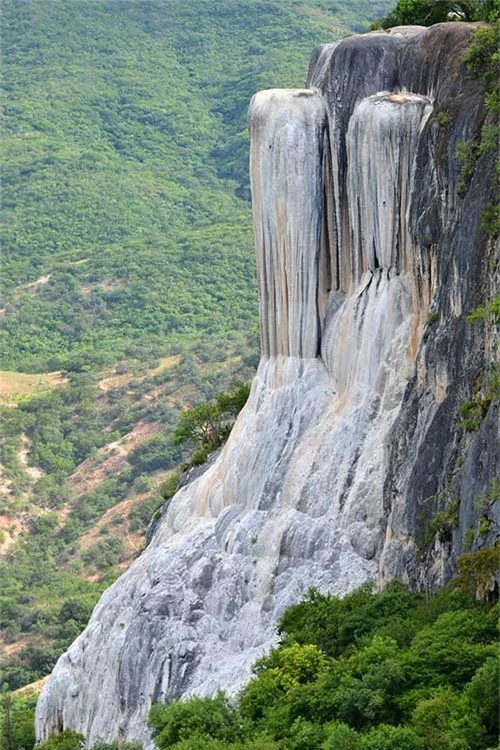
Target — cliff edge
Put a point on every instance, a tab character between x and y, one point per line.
369	258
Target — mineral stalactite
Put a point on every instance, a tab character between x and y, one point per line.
288	134
352	419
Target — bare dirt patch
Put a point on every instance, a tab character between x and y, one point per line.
10	529
34	472
119	380
166	363
107	285
182	398
17	385
39	282
12	649
215	367
114	381
110	458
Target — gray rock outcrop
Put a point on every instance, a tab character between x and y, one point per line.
353	419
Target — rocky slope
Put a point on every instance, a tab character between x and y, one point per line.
368	262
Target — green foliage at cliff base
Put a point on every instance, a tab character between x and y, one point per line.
370	671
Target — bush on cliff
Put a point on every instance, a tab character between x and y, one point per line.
205	427
67	740
428	12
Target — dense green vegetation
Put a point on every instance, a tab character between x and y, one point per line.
381	671
47	595
428	12
16	721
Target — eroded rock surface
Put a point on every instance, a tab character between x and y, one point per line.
352	422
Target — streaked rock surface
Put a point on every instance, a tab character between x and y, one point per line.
352	419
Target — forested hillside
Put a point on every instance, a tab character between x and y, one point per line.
127	272
125	191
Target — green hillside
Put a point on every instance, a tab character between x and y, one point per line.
127	286
125	196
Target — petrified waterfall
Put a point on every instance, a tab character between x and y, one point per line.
288	135
351	421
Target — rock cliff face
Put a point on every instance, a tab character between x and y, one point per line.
353	418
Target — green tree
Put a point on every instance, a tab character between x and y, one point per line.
75	609
340	736
200	426
233	401
450	649
305	735
477	571
7	736
446	722
205	427
281	691
154	454
23	722
66	740
333	624
203	718
386	737
483	696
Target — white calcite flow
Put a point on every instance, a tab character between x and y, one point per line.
288	134
382	141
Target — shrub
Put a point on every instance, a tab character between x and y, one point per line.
386	737
67	740
340	736
215	718
477	570
205	427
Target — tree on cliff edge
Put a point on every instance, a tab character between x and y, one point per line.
428	12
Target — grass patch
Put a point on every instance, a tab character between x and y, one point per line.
17	386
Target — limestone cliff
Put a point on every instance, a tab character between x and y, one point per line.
353	418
